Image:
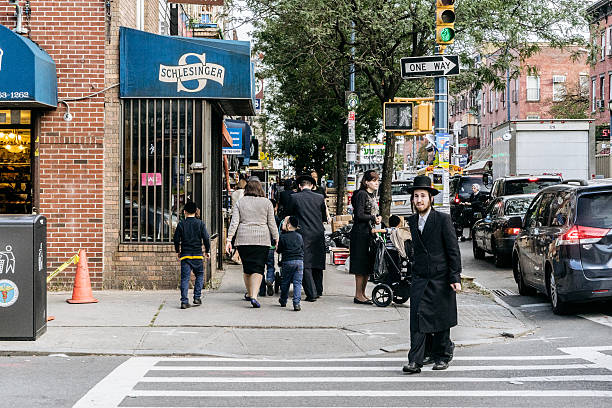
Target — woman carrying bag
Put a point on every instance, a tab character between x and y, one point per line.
365	215
254	228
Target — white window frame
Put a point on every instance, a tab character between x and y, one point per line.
603	46
559	90
533	92
140	17
593	94
583	81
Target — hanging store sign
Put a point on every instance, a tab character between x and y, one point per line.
158	66
236	134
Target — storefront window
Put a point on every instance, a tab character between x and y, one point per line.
16	156
162	153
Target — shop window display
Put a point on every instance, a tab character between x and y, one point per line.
15	162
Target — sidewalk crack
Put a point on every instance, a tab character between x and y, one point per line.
157	314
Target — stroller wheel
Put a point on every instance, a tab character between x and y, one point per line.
400	299
382	295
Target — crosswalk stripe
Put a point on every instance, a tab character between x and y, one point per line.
365	359
377	393
368	368
598	318
301	380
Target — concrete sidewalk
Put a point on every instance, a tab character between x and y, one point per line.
151	323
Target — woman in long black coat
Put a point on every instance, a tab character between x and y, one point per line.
365	215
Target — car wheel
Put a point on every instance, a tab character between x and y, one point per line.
498	259
558	306
478	253
523	289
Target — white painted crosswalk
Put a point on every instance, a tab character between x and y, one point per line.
576	375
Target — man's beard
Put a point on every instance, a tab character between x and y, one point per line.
424	211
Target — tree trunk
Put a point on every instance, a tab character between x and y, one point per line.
341	171
387	176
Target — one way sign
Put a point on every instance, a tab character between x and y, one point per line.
439	65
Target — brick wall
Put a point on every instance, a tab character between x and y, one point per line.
71	153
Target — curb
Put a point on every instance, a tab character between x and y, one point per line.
530	327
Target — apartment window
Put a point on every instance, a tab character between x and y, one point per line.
610	86
602	81
490	100
533	88
608	42
558	88
584	84
603	46
483	101
593	95
496	100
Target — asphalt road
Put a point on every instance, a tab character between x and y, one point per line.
565	362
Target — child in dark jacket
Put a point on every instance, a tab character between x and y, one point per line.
189	236
291	248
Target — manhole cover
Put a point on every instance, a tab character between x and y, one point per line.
504	292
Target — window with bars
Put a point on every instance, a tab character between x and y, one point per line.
162	156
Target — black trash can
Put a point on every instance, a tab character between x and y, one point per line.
23	277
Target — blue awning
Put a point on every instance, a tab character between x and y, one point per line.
27	73
158	66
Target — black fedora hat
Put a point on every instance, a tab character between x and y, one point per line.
423	183
306	177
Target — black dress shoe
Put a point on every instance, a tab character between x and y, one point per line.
428	360
412	368
362	302
197	302
185	305
310	299
440	365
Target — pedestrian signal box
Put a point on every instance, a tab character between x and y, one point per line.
397	116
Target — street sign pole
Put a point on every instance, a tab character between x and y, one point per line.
441	122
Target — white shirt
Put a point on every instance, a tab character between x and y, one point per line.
423	220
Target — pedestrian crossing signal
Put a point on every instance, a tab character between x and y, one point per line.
397	116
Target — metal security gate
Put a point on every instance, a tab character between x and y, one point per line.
162	166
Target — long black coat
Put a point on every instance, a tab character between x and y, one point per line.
311	211
437	264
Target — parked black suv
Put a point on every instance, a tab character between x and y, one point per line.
514	185
564	247
460	189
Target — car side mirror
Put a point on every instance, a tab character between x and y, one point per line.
515	222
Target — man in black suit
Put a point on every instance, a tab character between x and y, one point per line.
436	278
311	211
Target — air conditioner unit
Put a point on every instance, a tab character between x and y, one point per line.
558	78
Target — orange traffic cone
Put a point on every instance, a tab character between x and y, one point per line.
81	293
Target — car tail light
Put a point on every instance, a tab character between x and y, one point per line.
533	178
457	199
582	235
512	231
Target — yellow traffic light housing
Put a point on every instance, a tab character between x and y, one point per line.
423	116
445	22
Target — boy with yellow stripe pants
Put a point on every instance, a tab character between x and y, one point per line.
189	236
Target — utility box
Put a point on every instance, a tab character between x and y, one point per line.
23	277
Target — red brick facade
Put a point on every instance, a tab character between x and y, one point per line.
600	82
71	154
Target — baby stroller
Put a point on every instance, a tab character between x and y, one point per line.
392	272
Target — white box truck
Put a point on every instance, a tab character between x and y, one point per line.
544	146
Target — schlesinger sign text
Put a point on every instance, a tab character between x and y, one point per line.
197	71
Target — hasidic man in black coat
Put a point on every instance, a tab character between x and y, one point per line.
311	211
436	278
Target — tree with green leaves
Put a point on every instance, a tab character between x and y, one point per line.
319	31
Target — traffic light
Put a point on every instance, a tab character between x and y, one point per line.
445	22
423	117
397	116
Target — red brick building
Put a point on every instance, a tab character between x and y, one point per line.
531	94
600	84
77	169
